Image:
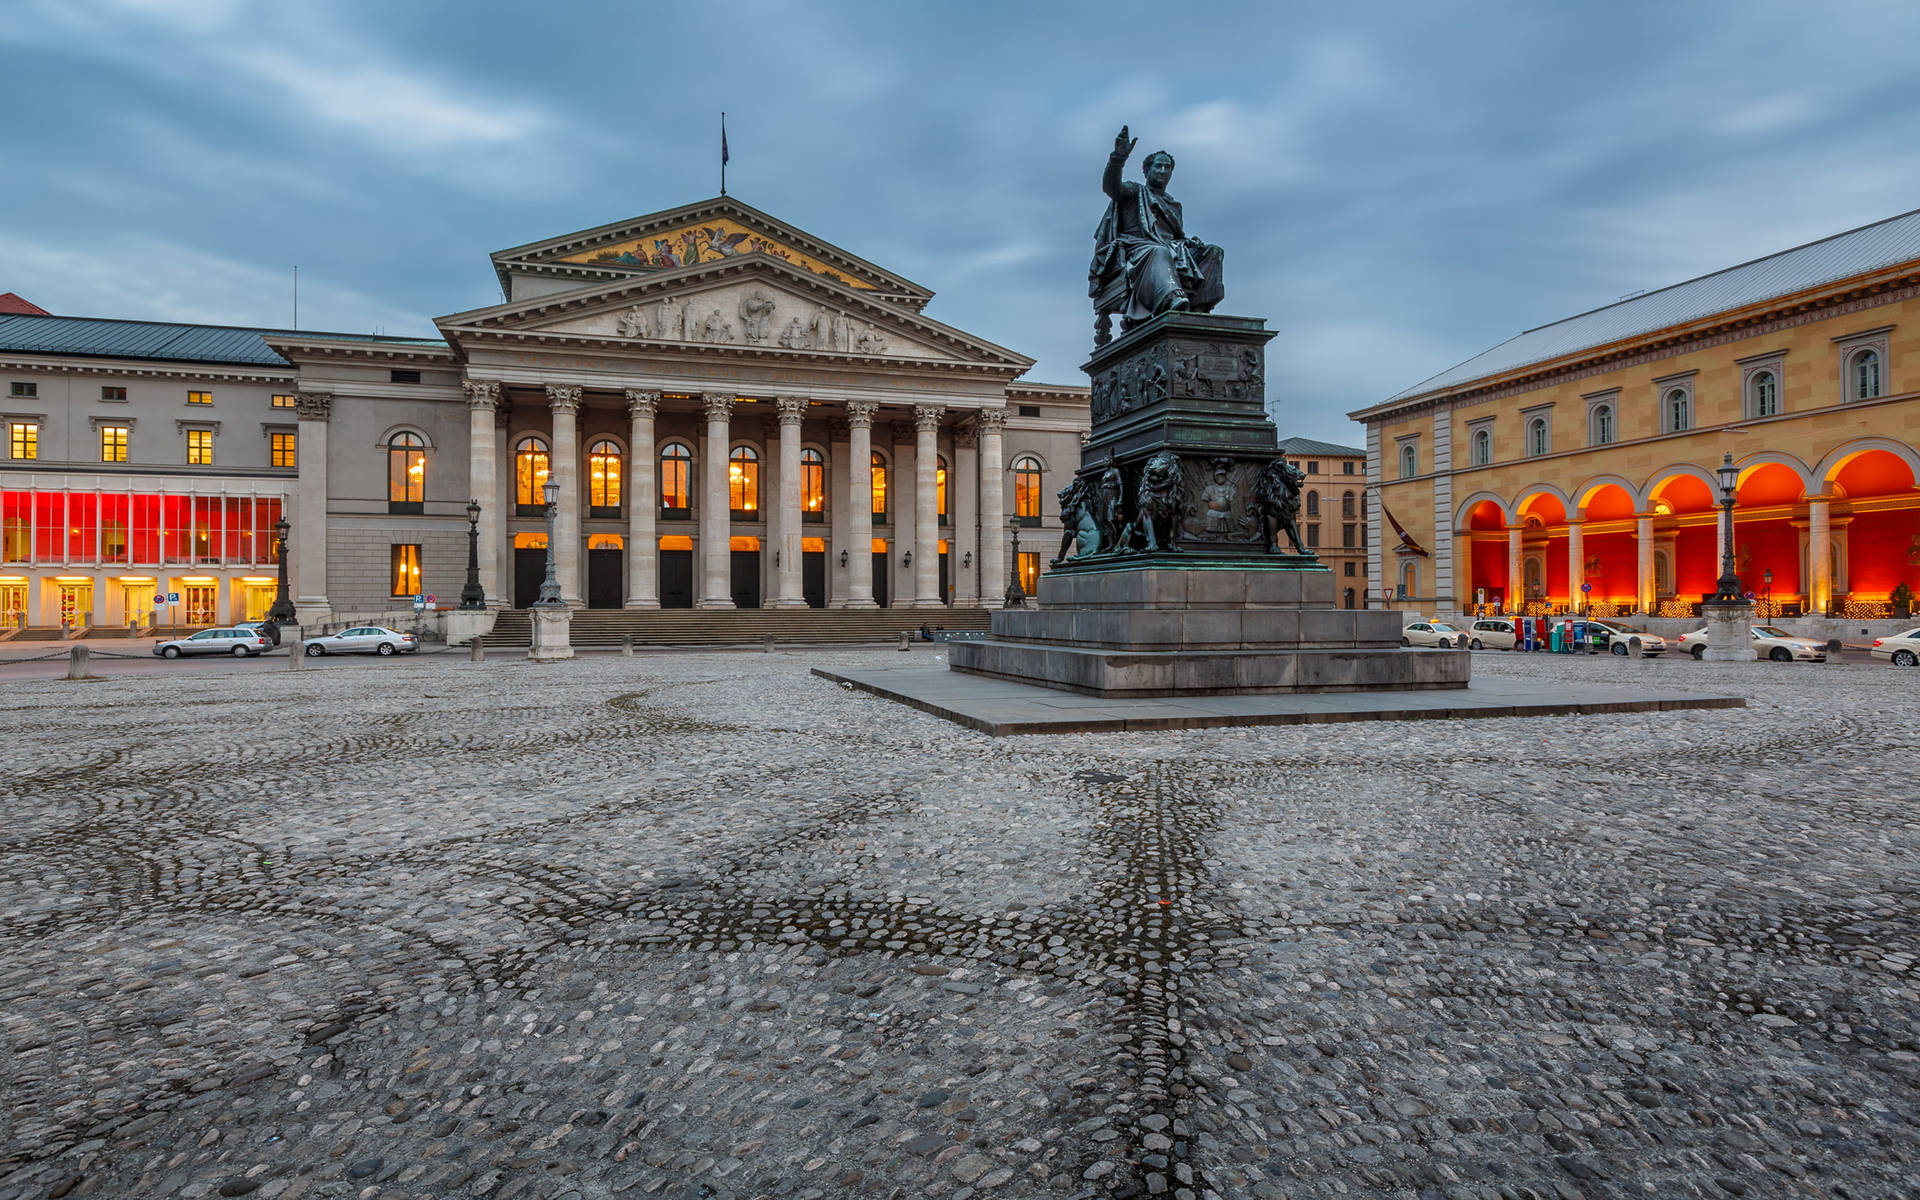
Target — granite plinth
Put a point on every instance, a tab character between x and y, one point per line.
1288	583
1153	629
1100	671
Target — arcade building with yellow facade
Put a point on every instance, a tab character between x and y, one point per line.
1573	467
736	414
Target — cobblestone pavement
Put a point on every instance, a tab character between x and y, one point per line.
704	926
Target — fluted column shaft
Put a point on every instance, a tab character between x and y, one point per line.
564	403
993	509
483	469
716	546
792	411
1819	555
860	415
926	517
643	505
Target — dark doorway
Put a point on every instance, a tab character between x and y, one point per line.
746	578
529	572
676	579
813	578
605	578
880	589
946	589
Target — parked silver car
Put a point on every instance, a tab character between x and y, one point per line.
363	639
241	643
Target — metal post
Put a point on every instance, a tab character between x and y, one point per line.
550	586
282	612
473	596
1016	595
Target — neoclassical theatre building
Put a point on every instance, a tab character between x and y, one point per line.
737	414
1584	452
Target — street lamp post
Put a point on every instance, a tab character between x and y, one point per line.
1766	578
473	596
282	612
1016	595
1728	612
552	621
1728	585
550	586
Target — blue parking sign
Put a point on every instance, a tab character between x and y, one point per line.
173	597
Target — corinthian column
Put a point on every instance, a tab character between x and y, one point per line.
309	516
860	503
792	411
716	587
926	517
993	509
643	507
483	469
564	402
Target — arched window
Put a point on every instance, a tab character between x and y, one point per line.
1482	447
1348	505
743	481
813	484
530	477
406	473
1679	411
879	489
1409	581
1602	432
676	480
1866	375
1026	489
1348	597
1766	394
1535	573
1313	504
603	480
1537	436
1409	462
940	487
1662	574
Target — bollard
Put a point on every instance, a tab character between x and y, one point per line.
766	647
906	641
1634	648
295	652
79	665
1836	650
477	649
626	646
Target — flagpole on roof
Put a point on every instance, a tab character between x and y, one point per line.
723	153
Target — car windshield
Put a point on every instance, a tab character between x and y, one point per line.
1443	627
205	635
1770	631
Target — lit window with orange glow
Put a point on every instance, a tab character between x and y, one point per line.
743	480
283	450
603	479
940	488
406	570
1026	487
1029	572
530	467
676	477
813	484
406	472
200	447
879	489
23	440
113	443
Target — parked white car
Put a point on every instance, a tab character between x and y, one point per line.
241	643
1612	636
1493	633
1776	645
1902	649
1434	633
363	639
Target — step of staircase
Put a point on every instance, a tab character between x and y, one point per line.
733	627
41	633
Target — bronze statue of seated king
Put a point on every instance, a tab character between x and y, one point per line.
1144	264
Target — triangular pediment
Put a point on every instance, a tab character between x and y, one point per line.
711	231
744	303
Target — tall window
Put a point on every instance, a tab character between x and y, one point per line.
113	443
1349	505
1349	467
1482	452
1679	411
1313	504
1410	580
940	488
1766	394
1602	432
813	484
406	473
1313	537
879	489
1537	436
1409	461
1029	572
406	570
1347	537
743	480
603	480
282	449
676	479
1866	375
530	466
200	447
1026	489
23	439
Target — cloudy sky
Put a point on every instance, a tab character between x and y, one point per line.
1397	186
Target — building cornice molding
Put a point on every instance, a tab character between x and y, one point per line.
143	369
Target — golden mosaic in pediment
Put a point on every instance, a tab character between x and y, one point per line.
706	242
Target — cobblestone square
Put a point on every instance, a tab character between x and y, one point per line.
701	925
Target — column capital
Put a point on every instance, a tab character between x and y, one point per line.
860	413
926	417
503	413
481	393
792	409
966	437
313	406
563	397
1824	498
719	406
990	420
642	404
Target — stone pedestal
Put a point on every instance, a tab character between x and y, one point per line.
1729	631
552	634
1208	605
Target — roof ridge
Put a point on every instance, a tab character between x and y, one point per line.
263	330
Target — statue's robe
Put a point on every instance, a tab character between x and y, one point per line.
1143	237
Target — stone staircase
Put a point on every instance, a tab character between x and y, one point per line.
742	626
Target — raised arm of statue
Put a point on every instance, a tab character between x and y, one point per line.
1122	148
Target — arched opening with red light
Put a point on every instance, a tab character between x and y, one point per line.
1543	551
1485	530
1686	540
1769	518
1610	551
1875	520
